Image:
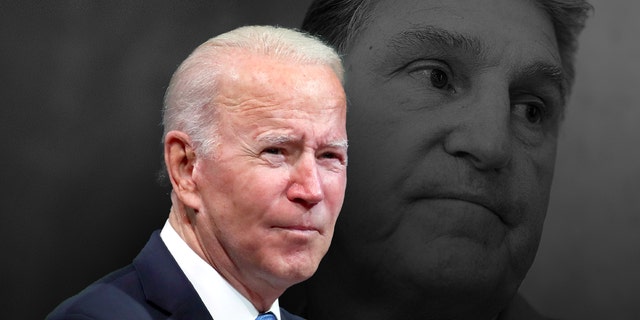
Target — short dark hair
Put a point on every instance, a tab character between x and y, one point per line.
339	22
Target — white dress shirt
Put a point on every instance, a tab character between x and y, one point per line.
222	300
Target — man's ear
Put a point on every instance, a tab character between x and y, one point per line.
180	158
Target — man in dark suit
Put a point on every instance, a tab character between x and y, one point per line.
255	148
455	108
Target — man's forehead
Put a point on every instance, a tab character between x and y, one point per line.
479	19
257	103
262	74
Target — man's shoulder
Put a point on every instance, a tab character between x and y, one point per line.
118	295
122	293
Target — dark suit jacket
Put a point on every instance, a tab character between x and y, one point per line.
152	287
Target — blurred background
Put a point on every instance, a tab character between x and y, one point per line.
82	85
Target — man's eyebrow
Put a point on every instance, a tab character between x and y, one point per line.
437	38
341	144
277	139
551	73
282	139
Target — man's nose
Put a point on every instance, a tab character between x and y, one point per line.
482	133
306	183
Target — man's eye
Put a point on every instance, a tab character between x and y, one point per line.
276	151
439	78
433	74
333	158
329	155
532	112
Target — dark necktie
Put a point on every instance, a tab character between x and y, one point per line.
266	316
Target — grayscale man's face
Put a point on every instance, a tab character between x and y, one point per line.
453	124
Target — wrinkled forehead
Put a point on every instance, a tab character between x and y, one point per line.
488	20
259	85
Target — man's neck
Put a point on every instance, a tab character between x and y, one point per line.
262	298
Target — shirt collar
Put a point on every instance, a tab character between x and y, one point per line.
222	300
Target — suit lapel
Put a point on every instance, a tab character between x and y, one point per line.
164	284
285	315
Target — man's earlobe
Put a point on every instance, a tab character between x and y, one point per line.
180	158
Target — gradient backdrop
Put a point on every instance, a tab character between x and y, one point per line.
81	88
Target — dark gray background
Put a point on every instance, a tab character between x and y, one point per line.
81	88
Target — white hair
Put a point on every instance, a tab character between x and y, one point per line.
187	102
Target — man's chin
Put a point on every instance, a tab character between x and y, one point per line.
459	265
295	271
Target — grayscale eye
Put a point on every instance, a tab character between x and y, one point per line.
533	114
439	78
